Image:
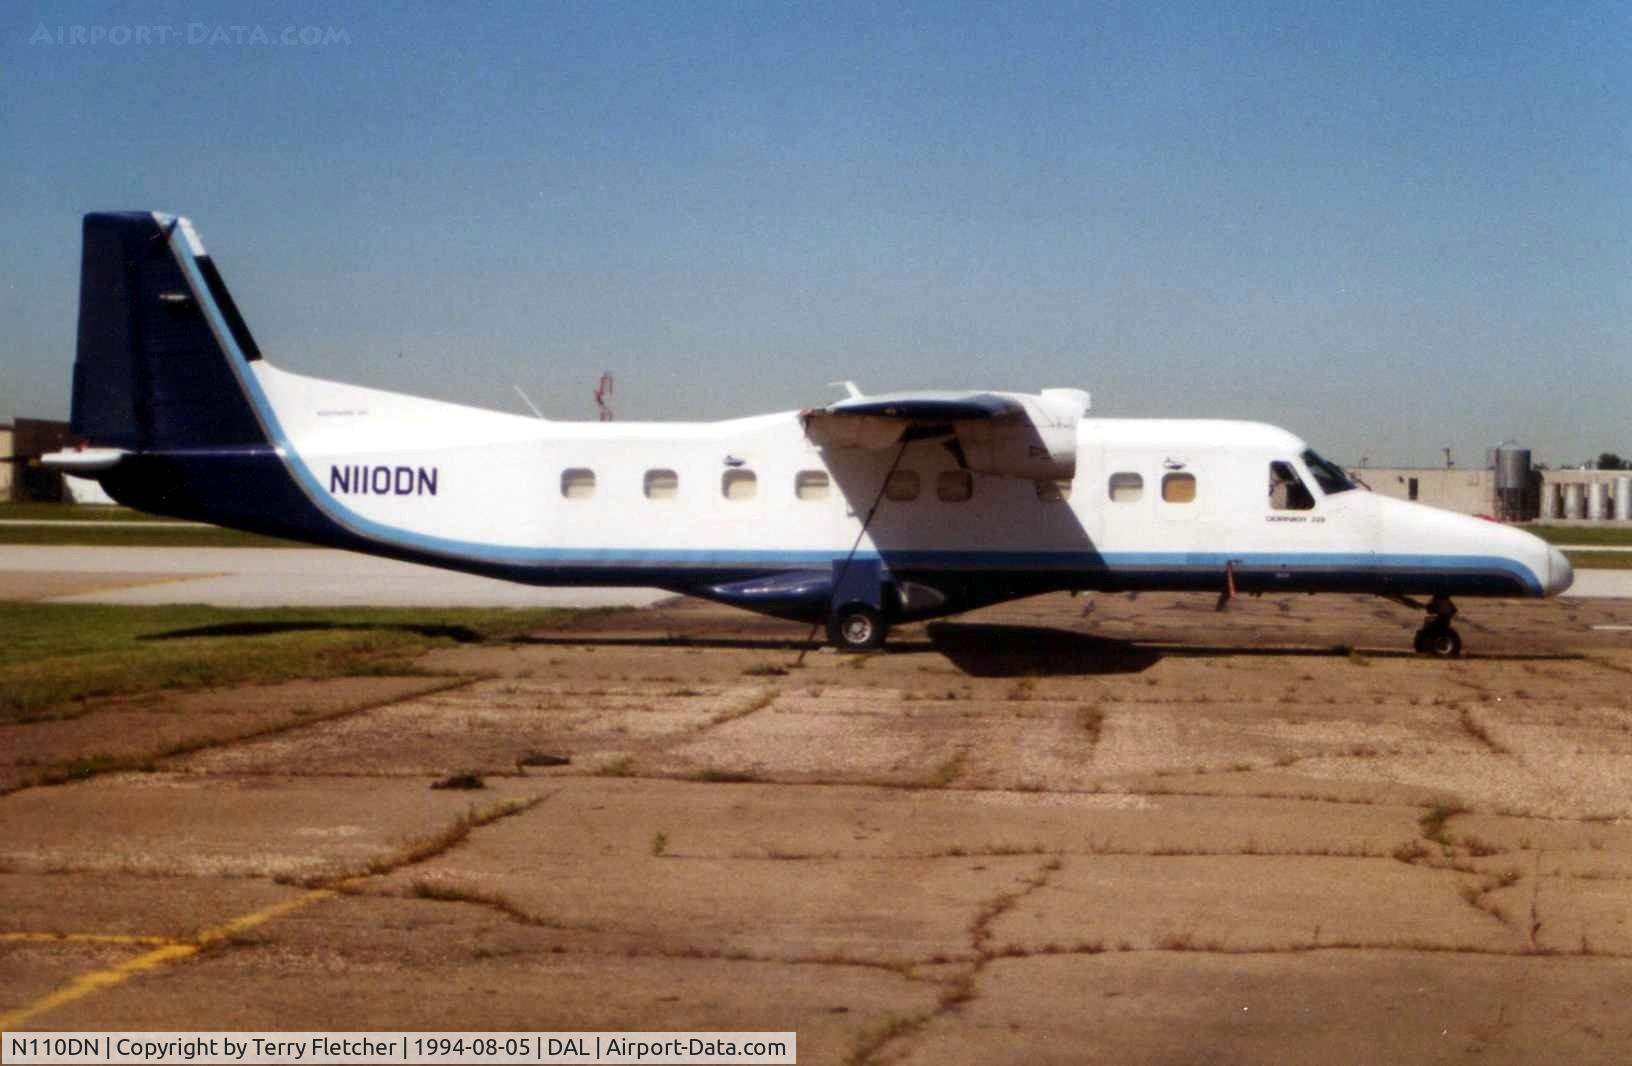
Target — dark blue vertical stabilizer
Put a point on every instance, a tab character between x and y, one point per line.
150	373
162	373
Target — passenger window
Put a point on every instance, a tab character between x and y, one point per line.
1287	491
1126	487
954	486
577	483
902	486
1053	491
739	485
810	484
1179	488
662	484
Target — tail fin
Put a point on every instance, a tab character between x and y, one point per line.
161	344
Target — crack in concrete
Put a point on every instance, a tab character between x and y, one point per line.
960	988
411	852
764	699
69	771
1535	898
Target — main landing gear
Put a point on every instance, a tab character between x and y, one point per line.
1436	637
857	627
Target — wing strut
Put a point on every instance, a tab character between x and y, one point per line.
1228	594
838	579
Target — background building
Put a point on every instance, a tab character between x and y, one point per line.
1469	491
6	468
1518	494
36	436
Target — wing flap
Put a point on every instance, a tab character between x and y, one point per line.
929	407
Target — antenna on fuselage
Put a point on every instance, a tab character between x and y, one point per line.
602	391
529	403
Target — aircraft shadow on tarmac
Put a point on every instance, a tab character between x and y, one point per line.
992	650
978	649
458	634
1342	651
985	650
699	639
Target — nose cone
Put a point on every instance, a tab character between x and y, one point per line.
1560	574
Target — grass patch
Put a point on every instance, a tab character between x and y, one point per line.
949	771
119	527
445	892
1092	720
1600	560
1433	823
100	535
88	766
1610	536
462	782
758	703
1478	731
722	777
623	766
869	1044
418	849
74	512
61	653
542	758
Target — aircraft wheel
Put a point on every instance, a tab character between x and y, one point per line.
856	627
1442	642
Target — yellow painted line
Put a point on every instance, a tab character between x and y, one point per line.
174	951
260	917
95	982
85	938
169	952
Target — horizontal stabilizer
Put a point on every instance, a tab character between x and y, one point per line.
83	461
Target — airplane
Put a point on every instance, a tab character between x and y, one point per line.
864	513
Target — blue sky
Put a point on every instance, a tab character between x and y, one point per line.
1388	227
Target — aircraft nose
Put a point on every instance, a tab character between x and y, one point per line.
1560	574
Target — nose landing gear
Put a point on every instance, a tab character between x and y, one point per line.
1436	637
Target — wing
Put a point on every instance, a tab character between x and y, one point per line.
887	418
1016	434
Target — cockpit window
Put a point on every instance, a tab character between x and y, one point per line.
1329	476
1287	492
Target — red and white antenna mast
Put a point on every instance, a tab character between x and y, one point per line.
602	391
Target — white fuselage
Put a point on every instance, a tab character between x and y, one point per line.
1153	503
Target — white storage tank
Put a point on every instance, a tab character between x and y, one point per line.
1575	500
1623	498
1597	501
1549	500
